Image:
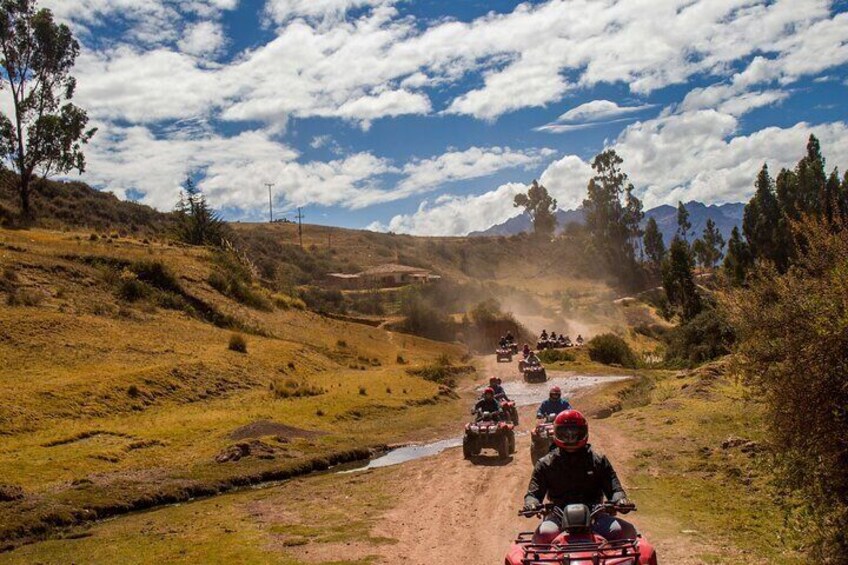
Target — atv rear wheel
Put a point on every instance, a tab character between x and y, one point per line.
503	447
466	448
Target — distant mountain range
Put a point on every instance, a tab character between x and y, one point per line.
726	217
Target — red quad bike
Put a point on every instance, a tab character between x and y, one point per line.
534	374
542	438
503	354
577	544
508	406
488	433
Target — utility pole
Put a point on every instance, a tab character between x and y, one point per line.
270	185
300	225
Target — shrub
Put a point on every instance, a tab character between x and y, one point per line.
133	391
130	288
400	360
292	388
556	356
707	336
793	345
610	349
362	391
238	343
341	343
25	297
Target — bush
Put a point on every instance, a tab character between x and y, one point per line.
556	356
610	349
707	336
292	388
130	288
324	301
238	343
25	297
793	345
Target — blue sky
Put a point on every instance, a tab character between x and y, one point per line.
428	116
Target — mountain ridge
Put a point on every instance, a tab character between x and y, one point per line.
726	216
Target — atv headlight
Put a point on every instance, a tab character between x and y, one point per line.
475	428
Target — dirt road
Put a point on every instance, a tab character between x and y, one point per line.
454	511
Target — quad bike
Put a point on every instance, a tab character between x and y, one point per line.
534	374
513	347
542	438
579	342
578	544
542	344
508	406
486	432
503	354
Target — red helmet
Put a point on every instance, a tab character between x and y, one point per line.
571	431
556	391
488	390
493	380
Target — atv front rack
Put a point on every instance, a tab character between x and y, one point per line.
596	553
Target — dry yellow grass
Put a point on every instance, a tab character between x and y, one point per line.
106	400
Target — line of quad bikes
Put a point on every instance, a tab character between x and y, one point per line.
577	544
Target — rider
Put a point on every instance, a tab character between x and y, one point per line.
554	404
579	339
503	342
532	359
526	351
553	336
509	338
573	473
495	385
488	403
544	336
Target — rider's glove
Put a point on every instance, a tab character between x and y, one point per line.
530	504
621	500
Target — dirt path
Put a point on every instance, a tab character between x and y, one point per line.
453	511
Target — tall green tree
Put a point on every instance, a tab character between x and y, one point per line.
653	244
831	198
679	280
764	224
611	210
812	180
786	187
196	222
683	223
541	208
709	247
633	215
842	202
738	260
45	133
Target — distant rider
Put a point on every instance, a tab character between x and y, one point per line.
554	404
573	473
544	336
533	359
553	336
509	337
502	343
495	385
488	403
579	339
526	351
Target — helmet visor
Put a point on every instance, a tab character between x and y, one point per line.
571	434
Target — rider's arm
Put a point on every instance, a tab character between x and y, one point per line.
609	480
540	413
538	487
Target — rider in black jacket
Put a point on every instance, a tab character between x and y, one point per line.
488	403
573	473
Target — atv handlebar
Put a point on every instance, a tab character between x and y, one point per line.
610	508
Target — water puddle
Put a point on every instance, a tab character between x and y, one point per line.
524	394
527	394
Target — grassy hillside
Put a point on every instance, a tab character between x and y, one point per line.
121	390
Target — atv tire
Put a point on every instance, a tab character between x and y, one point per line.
503	447
466	448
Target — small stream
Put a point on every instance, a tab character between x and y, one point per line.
524	394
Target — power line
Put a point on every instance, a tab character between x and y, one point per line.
270	185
